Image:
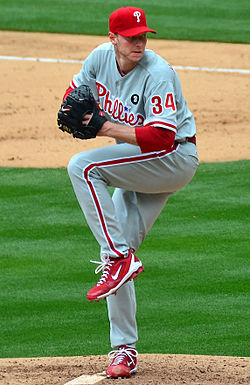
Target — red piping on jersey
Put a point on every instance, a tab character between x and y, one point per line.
113	162
156	122
68	90
73	84
119	69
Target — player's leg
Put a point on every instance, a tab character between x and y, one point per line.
122	316
166	174
136	213
123	166
86	171
118	263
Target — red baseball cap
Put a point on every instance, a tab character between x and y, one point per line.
128	21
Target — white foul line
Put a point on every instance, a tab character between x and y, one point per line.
188	68
40	59
235	70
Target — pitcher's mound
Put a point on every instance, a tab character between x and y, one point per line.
155	369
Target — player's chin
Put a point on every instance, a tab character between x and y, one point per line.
136	56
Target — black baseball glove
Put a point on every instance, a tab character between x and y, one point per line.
77	104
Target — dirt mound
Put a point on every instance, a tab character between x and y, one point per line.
155	369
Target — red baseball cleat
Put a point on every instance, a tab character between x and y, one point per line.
124	362
116	272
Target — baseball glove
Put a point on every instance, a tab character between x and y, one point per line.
77	104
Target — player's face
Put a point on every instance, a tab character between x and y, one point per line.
130	49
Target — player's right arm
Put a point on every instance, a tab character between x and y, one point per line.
148	138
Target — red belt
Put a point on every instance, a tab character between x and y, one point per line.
191	140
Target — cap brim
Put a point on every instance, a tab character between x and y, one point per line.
135	31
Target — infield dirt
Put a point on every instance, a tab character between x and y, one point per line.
31	93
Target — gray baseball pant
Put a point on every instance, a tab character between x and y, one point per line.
143	184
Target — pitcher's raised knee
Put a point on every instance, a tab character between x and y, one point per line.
77	164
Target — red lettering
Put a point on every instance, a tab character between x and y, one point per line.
169	103
108	104
125	117
115	108
121	112
157	109
131	118
100	89
140	120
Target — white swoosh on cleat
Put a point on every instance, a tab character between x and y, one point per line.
115	276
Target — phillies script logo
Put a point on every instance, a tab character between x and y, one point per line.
116	108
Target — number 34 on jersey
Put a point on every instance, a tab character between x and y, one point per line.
159	104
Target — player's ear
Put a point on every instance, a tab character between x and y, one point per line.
113	38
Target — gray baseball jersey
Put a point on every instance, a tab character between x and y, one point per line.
148	95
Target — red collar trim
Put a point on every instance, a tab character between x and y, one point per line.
119	69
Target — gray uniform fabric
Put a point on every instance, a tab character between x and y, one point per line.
143	184
150	94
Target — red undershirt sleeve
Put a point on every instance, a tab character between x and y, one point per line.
67	92
151	138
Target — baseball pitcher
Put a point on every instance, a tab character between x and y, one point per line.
127	92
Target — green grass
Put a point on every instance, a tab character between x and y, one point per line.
204	20
192	298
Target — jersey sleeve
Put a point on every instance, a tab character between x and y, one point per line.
160	103
87	74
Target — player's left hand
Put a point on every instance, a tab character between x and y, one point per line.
79	114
